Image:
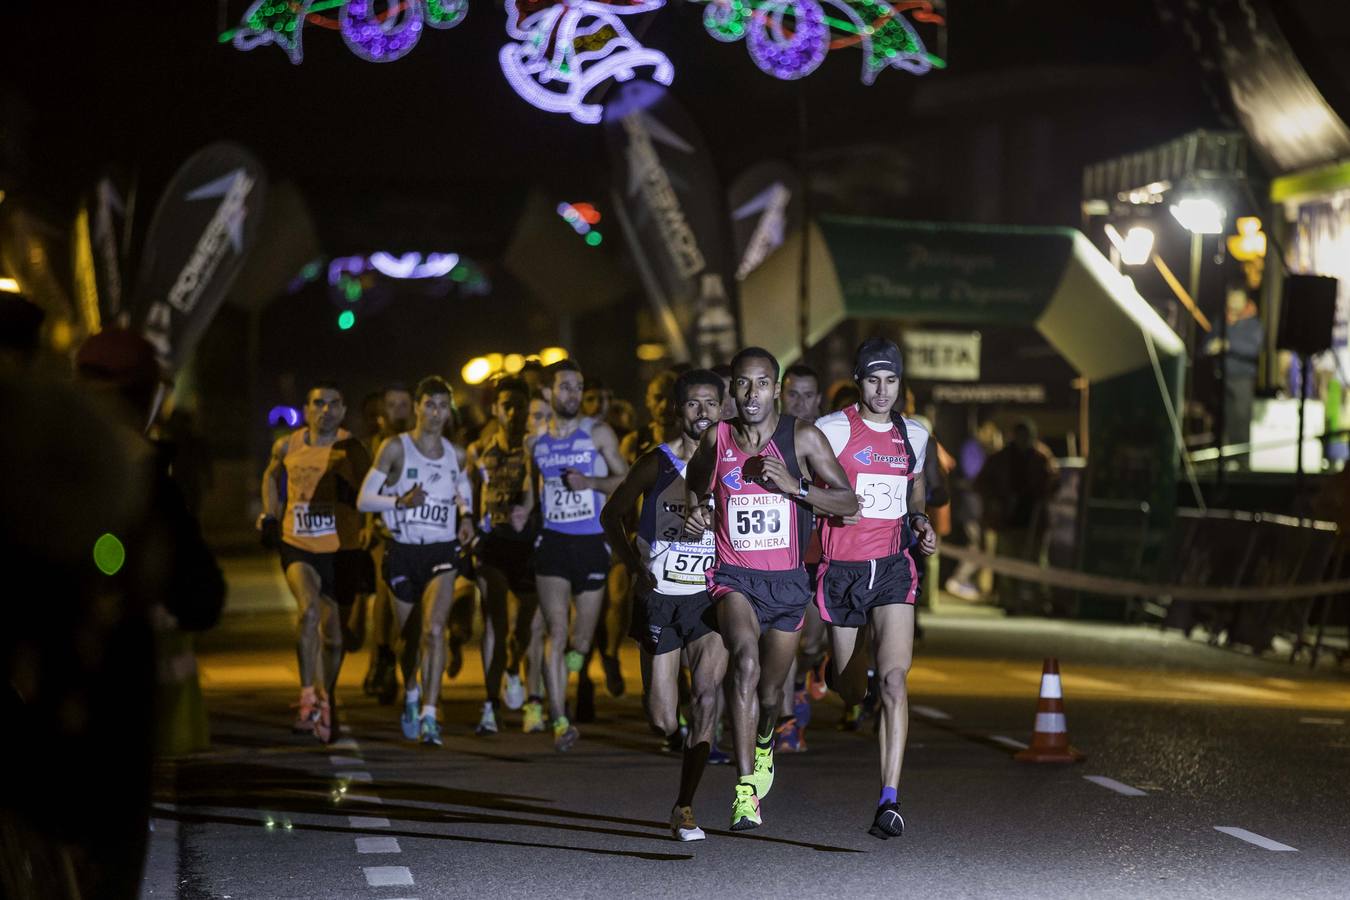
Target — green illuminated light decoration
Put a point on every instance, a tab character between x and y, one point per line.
346	319
109	554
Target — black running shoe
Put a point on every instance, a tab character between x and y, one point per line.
888	822
388	683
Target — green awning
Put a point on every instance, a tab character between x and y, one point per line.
1051	278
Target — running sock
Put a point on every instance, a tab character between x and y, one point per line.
428	710
412	695
888	795
691	770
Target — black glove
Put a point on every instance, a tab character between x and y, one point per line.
269	535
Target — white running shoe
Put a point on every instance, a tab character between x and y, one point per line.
682	824
961	590
488	723
514	695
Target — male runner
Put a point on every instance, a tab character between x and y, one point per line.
868	573
672	609
502	503
395	413
322	462
418	485
574	463
753	468
801	398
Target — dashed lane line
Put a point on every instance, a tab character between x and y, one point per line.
1252	837
387	876
1112	785
1007	742
1320	720
378	845
355	776
929	712
346	762
368	821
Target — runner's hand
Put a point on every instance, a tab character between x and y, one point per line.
575	481
415	497
366	538
697	521
857	516
776	475
645	581
928	540
466	531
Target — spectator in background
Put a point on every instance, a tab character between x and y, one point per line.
843	393
1239	354
190	462
723	372
595	399
622	418
967	582
1015	486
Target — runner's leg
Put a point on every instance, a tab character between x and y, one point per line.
553	603
708	665
305	587
893	626
436	602
739	626
496	619
662	697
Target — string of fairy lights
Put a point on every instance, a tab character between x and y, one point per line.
560	51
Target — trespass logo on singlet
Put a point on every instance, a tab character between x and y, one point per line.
867	456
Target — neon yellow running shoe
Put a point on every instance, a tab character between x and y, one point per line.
762	778
565	734
745	808
574	660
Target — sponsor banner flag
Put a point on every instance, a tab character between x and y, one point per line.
199	237
671	211
766	205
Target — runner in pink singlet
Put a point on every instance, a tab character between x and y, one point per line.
753	469
869	573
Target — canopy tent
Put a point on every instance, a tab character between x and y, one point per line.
1052	279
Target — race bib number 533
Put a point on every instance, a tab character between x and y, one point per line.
759	522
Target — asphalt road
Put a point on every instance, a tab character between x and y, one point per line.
1182	740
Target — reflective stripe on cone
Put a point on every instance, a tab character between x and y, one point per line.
1050	738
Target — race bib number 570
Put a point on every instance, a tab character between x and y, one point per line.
759	522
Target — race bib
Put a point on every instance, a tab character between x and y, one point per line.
429	513
562	504
686	563
759	522
882	496
313	521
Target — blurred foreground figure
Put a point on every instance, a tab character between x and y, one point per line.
107	536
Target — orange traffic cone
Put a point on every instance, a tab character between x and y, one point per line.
1050	738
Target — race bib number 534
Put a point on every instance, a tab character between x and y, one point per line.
882	496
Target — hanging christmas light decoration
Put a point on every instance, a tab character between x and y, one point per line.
565	49
789	39
375	30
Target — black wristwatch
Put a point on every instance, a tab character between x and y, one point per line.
803	486
918	515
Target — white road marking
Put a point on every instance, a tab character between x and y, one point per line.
929	712
346	762
1112	785
367	822
1007	742
347	744
1319	720
1252	837
356	776
378	845
387	876
363	798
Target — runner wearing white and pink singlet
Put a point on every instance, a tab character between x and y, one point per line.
868	571
753	469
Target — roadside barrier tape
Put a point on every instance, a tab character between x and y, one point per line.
1123	587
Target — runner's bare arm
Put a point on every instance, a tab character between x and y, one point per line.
271	493
815	456
386	471
698	476
608	444
918	519
623	501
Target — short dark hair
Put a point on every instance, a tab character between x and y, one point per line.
801	370
595	384
513	386
756	353
562	365
693	377
325	385
721	370
394	387
432	384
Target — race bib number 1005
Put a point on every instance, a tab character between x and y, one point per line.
313	521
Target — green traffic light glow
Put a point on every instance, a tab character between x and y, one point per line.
109	554
594	238
346	320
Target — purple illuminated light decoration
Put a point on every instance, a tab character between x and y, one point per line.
375	30
568	48
403	266
789	53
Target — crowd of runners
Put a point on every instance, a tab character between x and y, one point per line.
759	553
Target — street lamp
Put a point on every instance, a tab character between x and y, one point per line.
1135	247
1199	215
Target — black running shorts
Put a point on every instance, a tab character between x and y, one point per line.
510	552
409	568
666	622
848	591
779	598
582	559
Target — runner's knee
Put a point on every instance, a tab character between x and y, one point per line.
894	686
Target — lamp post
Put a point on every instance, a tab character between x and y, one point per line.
1202	215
